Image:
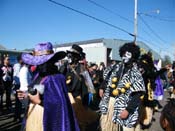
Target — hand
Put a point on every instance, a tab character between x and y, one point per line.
21	94
168	67
101	92
14	82
124	114
35	98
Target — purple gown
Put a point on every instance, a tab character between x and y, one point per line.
58	112
158	93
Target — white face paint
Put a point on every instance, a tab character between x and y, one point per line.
126	57
69	58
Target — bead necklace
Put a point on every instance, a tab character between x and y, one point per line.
117	91
114	80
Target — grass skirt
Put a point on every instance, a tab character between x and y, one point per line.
84	115
106	122
34	121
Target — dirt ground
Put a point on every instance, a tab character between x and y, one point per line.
7	122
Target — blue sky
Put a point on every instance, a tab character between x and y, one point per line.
24	23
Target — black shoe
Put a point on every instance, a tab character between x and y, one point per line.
156	109
17	119
153	119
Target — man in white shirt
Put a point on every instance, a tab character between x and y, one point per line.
16	86
25	79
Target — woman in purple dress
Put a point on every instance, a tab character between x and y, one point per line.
52	93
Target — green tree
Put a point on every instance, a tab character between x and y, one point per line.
166	60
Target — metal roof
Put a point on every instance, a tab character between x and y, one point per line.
12	51
80	42
2	47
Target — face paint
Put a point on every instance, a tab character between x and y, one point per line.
72	59
126	57
69	61
69	58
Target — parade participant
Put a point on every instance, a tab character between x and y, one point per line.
149	74
51	92
167	118
159	92
7	76
78	86
120	103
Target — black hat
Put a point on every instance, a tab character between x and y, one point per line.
83	55
76	49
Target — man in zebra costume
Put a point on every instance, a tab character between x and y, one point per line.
121	100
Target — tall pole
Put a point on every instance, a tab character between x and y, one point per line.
135	21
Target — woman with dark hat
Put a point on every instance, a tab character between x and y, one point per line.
51	92
120	102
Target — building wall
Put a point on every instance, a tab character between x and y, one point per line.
96	54
116	44
97	51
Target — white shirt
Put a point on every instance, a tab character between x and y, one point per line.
25	78
16	69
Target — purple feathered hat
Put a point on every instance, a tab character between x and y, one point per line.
41	54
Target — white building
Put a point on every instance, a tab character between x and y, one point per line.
103	50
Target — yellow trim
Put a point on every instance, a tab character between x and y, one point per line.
144	61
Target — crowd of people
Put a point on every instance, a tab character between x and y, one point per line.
61	91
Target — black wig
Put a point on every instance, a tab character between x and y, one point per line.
48	68
130	47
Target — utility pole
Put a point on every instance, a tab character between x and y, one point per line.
135	21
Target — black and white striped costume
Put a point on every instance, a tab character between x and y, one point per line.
132	76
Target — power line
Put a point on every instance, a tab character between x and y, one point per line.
108	10
97	19
153	44
147	41
92	17
158	18
149	36
155	34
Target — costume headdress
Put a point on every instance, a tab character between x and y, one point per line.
42	53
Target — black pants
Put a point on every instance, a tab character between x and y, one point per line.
8	88
18	105
1	101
